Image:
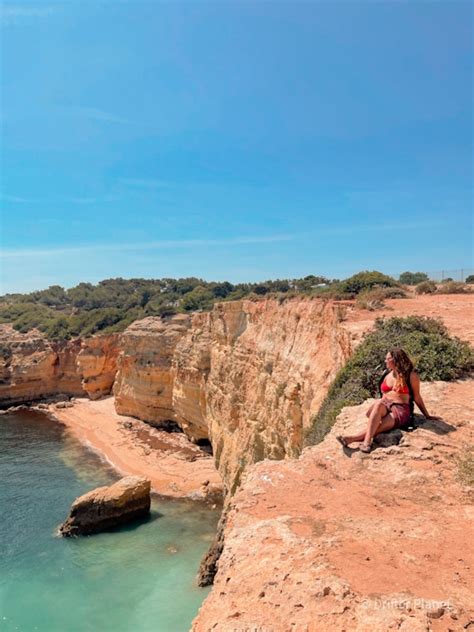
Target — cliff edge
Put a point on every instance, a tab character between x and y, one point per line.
340	540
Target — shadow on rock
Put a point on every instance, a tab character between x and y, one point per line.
439	426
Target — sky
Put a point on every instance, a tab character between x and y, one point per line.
236	141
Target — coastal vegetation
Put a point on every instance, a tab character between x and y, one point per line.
436	355
113	304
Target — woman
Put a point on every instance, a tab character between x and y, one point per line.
400	387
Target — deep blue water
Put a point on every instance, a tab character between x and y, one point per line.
139	578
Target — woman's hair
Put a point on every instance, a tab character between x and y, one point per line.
403	367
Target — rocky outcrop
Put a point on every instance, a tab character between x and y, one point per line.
97	364
107	507
34	368
144	384
340	540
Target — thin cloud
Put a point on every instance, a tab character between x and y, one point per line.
375	228
17	14
152	245
16	199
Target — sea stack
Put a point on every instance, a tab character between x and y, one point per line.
109	506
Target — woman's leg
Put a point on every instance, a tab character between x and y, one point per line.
379	411
386	424
380	420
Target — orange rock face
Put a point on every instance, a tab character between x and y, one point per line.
248	376
270	368
97	364
32	367
340	540
144	383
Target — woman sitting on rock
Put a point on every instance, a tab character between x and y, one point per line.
400	387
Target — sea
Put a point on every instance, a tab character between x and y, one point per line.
137	578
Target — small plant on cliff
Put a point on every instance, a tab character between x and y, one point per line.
436	355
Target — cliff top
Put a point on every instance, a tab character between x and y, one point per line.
340	540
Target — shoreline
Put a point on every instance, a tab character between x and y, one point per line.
176	467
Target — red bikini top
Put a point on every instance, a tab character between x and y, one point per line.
386	388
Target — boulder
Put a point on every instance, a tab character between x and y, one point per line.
105	507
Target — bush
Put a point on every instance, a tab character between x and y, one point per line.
436	355
453	287
365	281
427	287
413	278
374	299
470	278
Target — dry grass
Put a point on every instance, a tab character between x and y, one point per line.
465	466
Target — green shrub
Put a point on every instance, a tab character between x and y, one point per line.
470	278
427	287
413	278
365	281
436	356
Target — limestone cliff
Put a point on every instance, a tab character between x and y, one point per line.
339	540
248	375
34	368
144	383
96	362
270	366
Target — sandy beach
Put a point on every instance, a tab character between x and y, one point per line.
175	466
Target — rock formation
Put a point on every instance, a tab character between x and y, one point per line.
109	506
97	364
34	368
144	383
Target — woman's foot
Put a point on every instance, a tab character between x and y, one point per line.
366	447
343	441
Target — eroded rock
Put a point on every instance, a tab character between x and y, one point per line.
109	506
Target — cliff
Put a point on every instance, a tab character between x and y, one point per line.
339	540
34	368
247	376
143	386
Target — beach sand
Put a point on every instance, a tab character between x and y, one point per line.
175	466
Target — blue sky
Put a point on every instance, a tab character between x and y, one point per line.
234	140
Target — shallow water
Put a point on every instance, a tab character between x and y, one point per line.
137	578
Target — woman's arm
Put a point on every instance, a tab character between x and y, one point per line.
415	385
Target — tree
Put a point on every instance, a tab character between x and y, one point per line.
365	281
470	278
413	278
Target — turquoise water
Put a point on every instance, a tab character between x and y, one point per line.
138	578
